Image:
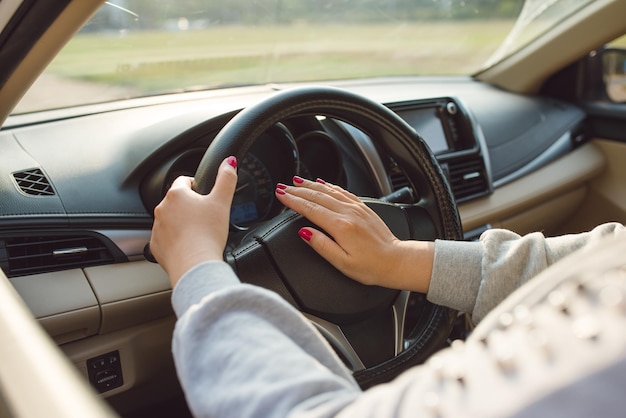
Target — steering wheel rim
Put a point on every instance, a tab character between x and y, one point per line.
277	237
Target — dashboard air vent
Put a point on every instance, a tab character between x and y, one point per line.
37	254
33	182
398	178
467	178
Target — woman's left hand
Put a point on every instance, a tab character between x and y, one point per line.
362	246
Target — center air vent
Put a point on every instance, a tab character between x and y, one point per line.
37	254
397	177
467	178
33	182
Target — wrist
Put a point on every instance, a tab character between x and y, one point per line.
413	265
188	260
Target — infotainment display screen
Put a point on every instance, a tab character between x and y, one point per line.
427	123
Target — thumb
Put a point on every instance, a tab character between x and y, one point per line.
325	247
226	180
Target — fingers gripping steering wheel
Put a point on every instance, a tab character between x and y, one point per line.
369	326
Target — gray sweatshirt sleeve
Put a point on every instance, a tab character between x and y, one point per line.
242	351
474	277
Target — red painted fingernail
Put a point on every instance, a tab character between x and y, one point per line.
320	181
305	234
280	191
298	180
281	186
232	161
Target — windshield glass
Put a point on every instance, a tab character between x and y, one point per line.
135	48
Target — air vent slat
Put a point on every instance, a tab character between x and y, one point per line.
37	254
33	182
467	179
399	181
396	176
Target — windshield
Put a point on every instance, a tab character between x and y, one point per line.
135	48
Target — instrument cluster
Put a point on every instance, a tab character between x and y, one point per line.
276	156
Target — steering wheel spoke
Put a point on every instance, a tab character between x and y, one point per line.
350	351
338	341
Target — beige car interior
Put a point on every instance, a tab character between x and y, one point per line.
125	308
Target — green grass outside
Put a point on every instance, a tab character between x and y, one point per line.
619	42
156	61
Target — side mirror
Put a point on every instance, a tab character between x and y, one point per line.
603	76
614	73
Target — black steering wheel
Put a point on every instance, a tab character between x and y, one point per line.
378	332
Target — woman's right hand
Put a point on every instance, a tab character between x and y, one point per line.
362	246
190	228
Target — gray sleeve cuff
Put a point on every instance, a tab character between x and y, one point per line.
456	274
200	281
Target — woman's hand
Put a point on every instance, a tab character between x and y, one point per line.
362	246
190	228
